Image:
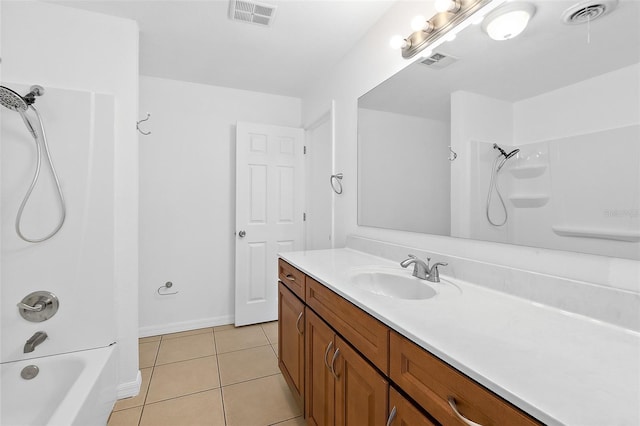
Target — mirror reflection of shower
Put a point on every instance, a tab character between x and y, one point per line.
498	163
22	104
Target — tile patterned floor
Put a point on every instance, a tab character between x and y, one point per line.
211	376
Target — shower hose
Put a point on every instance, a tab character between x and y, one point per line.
494	184
36	175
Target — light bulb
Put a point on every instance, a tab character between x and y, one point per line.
418	23
397	42
450	37
446	6
426	53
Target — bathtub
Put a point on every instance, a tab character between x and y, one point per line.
77	388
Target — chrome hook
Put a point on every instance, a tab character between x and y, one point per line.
142	121
453	153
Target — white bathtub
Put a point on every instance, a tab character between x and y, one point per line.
77	388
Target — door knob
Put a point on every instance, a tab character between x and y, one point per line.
242	234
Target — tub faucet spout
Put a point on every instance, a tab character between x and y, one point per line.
34	341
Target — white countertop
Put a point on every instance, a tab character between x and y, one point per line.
559	367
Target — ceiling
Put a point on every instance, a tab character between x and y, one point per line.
195	41
548	55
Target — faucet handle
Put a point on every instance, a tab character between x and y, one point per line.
434	274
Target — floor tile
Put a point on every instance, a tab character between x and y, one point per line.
183	348
224	327
275	349
149	339
247	364
298	421
204	408
259	402
240	338
138	400
182	378
187	333
147	354
129	417
271	330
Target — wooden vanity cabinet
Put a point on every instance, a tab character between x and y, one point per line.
444	392
402	412
291	323
348	368
342	388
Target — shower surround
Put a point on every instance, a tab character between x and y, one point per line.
77	264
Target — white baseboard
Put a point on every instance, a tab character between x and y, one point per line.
127	390
154	330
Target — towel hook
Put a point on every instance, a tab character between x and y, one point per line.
166	286
453	153
142	121
336	183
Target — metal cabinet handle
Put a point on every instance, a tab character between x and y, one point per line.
392	416
463	419
290	277
333	363
36	308
298	322
326	363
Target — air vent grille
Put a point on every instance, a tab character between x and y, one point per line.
251	12
588	11
438	61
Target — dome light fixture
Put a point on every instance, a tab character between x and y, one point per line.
509	21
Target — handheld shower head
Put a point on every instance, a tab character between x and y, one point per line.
12	100
506	155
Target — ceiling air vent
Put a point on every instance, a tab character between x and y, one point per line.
588	11
438	61
252	12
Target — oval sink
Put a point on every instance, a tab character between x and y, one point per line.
391	284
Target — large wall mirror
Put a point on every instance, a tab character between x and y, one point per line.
545	126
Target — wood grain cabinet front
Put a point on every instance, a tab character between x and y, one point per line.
448	395
291	341
343	389
368	335
402	412
292	278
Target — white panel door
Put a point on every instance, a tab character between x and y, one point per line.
269	209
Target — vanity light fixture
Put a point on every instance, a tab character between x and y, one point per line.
448	21
508	21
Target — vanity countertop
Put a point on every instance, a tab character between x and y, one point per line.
560	367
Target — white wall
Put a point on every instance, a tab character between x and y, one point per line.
403	173
187	198
369	63
66	48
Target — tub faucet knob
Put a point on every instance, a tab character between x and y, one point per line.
35	340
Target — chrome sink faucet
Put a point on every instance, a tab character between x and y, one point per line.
35	340
422	270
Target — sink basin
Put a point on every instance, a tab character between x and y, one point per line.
398	285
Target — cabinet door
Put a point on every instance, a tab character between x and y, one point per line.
319	383
291	341
403	413
361	392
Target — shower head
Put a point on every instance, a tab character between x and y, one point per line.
507	155
15	102
12	100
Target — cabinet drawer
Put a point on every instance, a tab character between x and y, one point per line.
361	330
431	383
291	277
403	413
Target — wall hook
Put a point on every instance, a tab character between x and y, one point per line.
142	121
166	286
336	183
452	158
